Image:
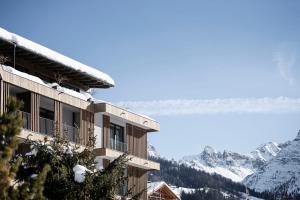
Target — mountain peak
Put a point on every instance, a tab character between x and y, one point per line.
280	174
209	150
298	136
152	152
266	151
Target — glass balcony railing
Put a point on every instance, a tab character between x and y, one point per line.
47	126
26	120
71	133
118	145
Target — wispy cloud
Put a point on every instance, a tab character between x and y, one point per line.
285	59
214	106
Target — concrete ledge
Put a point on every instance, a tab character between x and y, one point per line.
146	123
134	161
33	135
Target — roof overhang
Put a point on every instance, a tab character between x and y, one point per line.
52	62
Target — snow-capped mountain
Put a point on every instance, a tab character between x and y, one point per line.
229	164
280	174
152	151
266	151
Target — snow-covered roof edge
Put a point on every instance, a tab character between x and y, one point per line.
153	186
55	56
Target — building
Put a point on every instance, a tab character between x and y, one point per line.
161	191
55	91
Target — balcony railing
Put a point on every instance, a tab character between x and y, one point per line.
71	133
118	145
26	120
47	126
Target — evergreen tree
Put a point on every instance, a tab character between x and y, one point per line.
64	157
48	171
10	127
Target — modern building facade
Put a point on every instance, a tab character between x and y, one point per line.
55	90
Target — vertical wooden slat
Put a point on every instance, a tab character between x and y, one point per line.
137	180
106	131
86	124
4	95
35	111
136	141
58	115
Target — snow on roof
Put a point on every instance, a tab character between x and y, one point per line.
81	95
55	56
154	186
23	74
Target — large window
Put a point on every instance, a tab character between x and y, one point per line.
117	138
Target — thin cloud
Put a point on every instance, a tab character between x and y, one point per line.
285	60
214	106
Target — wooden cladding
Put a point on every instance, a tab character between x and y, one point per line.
35	112
106	130
4	94
137	181
58	115
136	138
86	124
136	141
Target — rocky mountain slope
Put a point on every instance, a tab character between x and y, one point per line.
271	167
229	164
282	173
152	151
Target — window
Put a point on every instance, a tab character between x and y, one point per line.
117	138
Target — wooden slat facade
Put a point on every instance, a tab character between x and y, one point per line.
35	112
106	130
137	181
86	125
58	115
136	141
4	94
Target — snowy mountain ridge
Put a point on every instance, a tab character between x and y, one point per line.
282	173
229	164
266	151
271	167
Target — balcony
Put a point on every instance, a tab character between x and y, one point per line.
134	161
71	133
118	145
47	126
26	119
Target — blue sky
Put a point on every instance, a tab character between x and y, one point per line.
182	50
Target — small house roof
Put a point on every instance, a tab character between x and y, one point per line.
162	187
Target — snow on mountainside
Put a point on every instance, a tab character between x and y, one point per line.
280	174
229	164
152	151
266	152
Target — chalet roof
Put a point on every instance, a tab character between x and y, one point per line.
53	61
161	187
